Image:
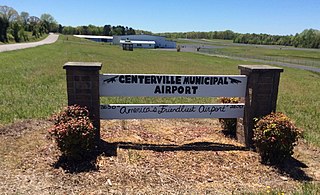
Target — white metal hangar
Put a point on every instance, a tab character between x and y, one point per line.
96	38
139	44
144	41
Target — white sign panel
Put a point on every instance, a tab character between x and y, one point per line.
152	85
152	111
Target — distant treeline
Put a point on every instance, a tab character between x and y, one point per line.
15	27
106	30
228	35
309	38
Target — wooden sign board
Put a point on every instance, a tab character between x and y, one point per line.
156	85
152	111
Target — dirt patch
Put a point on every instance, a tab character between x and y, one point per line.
21	127
147	157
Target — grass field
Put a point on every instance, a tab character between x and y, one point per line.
307	57
301	57
33	86
214	42
304	57
33	82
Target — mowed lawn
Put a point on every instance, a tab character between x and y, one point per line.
33	81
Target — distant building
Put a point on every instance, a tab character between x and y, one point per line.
145	41
127	45
139	44
107	39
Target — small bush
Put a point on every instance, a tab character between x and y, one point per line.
73	132
275	137
178	48
229	125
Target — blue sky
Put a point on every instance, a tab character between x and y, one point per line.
245	16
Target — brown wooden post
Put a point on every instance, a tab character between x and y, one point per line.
261	97
83	88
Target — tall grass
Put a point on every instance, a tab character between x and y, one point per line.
33	81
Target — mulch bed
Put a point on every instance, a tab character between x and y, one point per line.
147	157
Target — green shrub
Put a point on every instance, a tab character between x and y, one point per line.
73	132
229	125
275	137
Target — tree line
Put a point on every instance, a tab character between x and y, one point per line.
227	35
15	26
309	38
106	30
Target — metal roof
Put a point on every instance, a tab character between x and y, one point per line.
137	42
93	37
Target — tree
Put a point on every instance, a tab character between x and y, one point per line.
49	23
309	38
16	27
143	32
130	31
9	13
118	30
24	18
34	20
60	28
4	24
106	30
69	30
13	25
48	18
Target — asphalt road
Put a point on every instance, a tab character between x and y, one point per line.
9	47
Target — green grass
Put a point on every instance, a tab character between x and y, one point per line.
308	57
206	41
307	188
303	57
298	54
299	99
33	81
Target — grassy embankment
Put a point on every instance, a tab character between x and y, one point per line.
29	38
33	82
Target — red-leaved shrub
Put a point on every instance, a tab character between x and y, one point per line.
275	137
73	132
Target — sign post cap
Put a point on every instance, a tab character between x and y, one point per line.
91	65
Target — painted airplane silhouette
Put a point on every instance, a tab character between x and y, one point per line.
112	79
234	80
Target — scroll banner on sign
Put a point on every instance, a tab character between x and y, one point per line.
152	111
156	85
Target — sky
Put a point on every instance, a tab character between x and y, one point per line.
277	17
